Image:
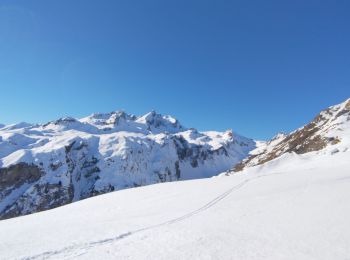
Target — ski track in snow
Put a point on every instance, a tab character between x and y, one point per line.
86	246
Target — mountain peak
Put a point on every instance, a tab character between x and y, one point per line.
17	126
157	122
347	104
327	130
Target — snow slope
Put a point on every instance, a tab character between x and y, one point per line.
63	161
293	207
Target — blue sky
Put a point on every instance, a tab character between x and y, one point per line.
257	67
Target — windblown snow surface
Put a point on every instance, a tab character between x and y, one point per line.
294	207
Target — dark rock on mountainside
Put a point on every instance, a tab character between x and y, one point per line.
12	180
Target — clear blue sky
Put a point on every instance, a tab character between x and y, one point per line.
257	67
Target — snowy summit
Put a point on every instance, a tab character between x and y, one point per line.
66	160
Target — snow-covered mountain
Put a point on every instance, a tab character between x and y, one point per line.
290	199
328	131
63	161
296	206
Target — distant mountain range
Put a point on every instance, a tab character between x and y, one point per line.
67	160
63	161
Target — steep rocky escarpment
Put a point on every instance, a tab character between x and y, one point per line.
14	181
18	174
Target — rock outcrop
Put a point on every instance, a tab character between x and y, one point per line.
324	130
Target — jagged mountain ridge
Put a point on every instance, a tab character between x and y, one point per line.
330	129
66	160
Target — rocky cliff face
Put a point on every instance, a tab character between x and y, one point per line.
46	166
328	128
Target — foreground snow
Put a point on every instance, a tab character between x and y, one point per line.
295	207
